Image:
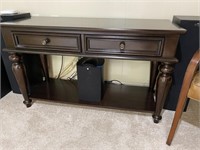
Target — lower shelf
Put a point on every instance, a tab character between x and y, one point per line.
115	96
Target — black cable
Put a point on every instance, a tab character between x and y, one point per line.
60	68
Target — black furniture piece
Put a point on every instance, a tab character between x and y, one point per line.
8	71
31	68
5	85
90	79
188	44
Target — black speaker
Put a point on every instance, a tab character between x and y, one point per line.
188	45
90	79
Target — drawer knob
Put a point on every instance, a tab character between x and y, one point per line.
45	41
122	45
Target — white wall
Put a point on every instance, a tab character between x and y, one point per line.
129	72
164	9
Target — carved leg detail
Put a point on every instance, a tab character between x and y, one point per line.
20	75
162	87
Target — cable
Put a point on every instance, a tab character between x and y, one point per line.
111	81
74	74
69	68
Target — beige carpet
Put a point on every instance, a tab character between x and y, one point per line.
50	126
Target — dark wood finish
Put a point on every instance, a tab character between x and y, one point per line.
47	40
162	87
191	69
134	97
150	26
124	45
20	75
134	39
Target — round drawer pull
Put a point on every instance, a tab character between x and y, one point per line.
45	41
122	45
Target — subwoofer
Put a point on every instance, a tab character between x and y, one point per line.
90	79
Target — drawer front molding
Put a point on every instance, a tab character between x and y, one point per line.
124	45
134	45
47	41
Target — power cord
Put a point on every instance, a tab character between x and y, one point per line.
60	68
64	71
74	74
114	81
69	68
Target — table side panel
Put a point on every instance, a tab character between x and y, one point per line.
170	46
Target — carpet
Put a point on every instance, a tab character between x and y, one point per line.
55	126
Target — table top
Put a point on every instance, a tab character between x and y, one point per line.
98	24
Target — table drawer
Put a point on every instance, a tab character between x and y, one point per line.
47	41
123	45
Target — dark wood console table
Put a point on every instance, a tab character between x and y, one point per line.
133	39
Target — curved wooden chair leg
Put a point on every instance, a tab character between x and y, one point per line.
191	69
177	116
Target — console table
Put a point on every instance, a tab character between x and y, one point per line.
130	39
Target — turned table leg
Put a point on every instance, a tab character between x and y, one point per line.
20	75
162	87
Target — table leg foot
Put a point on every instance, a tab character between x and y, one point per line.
156	118
28	103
